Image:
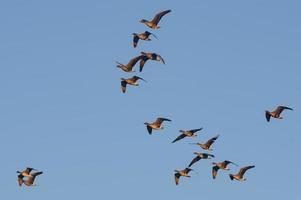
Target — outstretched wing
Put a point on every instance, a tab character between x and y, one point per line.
149	129
179	137
279	109
160	120
135	78
211	141
158	16
214	171
267	116
196	159
195	130
142	62
177	178
226	162
135	41
243	170
133	61
123	86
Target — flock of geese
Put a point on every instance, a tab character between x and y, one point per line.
27	177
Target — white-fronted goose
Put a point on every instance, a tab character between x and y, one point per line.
208	144
276	113
200	156
157	125
221	165
141	36
149	56
130	81
189	133
180	173
129	67
240	175
154	22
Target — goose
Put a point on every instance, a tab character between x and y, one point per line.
221	165
189	133
276	113
129	67
207	145
149	56
142	36
154	22
30	179
240	175
179	173
130	81
199	157
157	125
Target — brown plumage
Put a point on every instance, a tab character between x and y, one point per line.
276	113
222	165
208	144
24	173
180	173
150	56
154	22
199	157
142	36
30	178
157	125
240	175
130	81
189	133
129	67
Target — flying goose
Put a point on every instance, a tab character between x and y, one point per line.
276	113
208	144
129	67
180	173
199	157
130	81
154	22
30	179
189	133
150	56
141	36
221	165
157	125
26	172
240	175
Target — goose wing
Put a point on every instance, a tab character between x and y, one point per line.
158	16
196	159
179	138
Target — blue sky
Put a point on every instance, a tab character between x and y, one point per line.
62	111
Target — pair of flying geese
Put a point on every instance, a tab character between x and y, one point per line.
157	125
144	56
27	177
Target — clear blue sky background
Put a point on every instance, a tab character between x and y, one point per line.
62	111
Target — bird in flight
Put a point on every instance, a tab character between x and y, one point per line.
130	81
154	22
157	125
221	165
30	177
200	156
276	113
179	173
189	133
240	175
142	36
129	67
150	56
207	145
